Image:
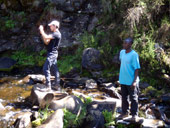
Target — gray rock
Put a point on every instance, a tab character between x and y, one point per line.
91	84
95	117
166	98
6	64
111	90
91	59
23	121
71	103
8	46
152	123
54	121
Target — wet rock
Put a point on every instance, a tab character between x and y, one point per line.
80	80
71	103
166	98
6	64
91	59
90	84
54	121
23	121
95	117
37	78
71	85
111	90
150	114
152	123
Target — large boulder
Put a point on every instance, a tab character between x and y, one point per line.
54	100
71	103
43	98
6	64
91	59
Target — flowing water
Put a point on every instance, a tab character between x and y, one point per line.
12	95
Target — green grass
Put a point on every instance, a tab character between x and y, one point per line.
109	118
43	115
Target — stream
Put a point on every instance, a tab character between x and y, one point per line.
15	89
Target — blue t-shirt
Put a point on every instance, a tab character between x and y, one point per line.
129	63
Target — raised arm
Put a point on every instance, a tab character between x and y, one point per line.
46	38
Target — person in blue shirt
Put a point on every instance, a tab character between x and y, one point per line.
129	79
52	42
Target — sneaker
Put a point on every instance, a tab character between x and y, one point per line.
122	116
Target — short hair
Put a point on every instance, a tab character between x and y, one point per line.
129	40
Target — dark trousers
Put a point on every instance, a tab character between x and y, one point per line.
50	67
133	95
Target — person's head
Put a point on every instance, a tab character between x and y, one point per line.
54	25
127	43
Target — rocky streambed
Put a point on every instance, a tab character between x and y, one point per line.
21	100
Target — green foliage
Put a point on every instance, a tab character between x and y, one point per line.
88	40
73	120
13	19
9	24
43	115
152	92
86	100
144	44
109	118
67	63
24	58
165	20
141	113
